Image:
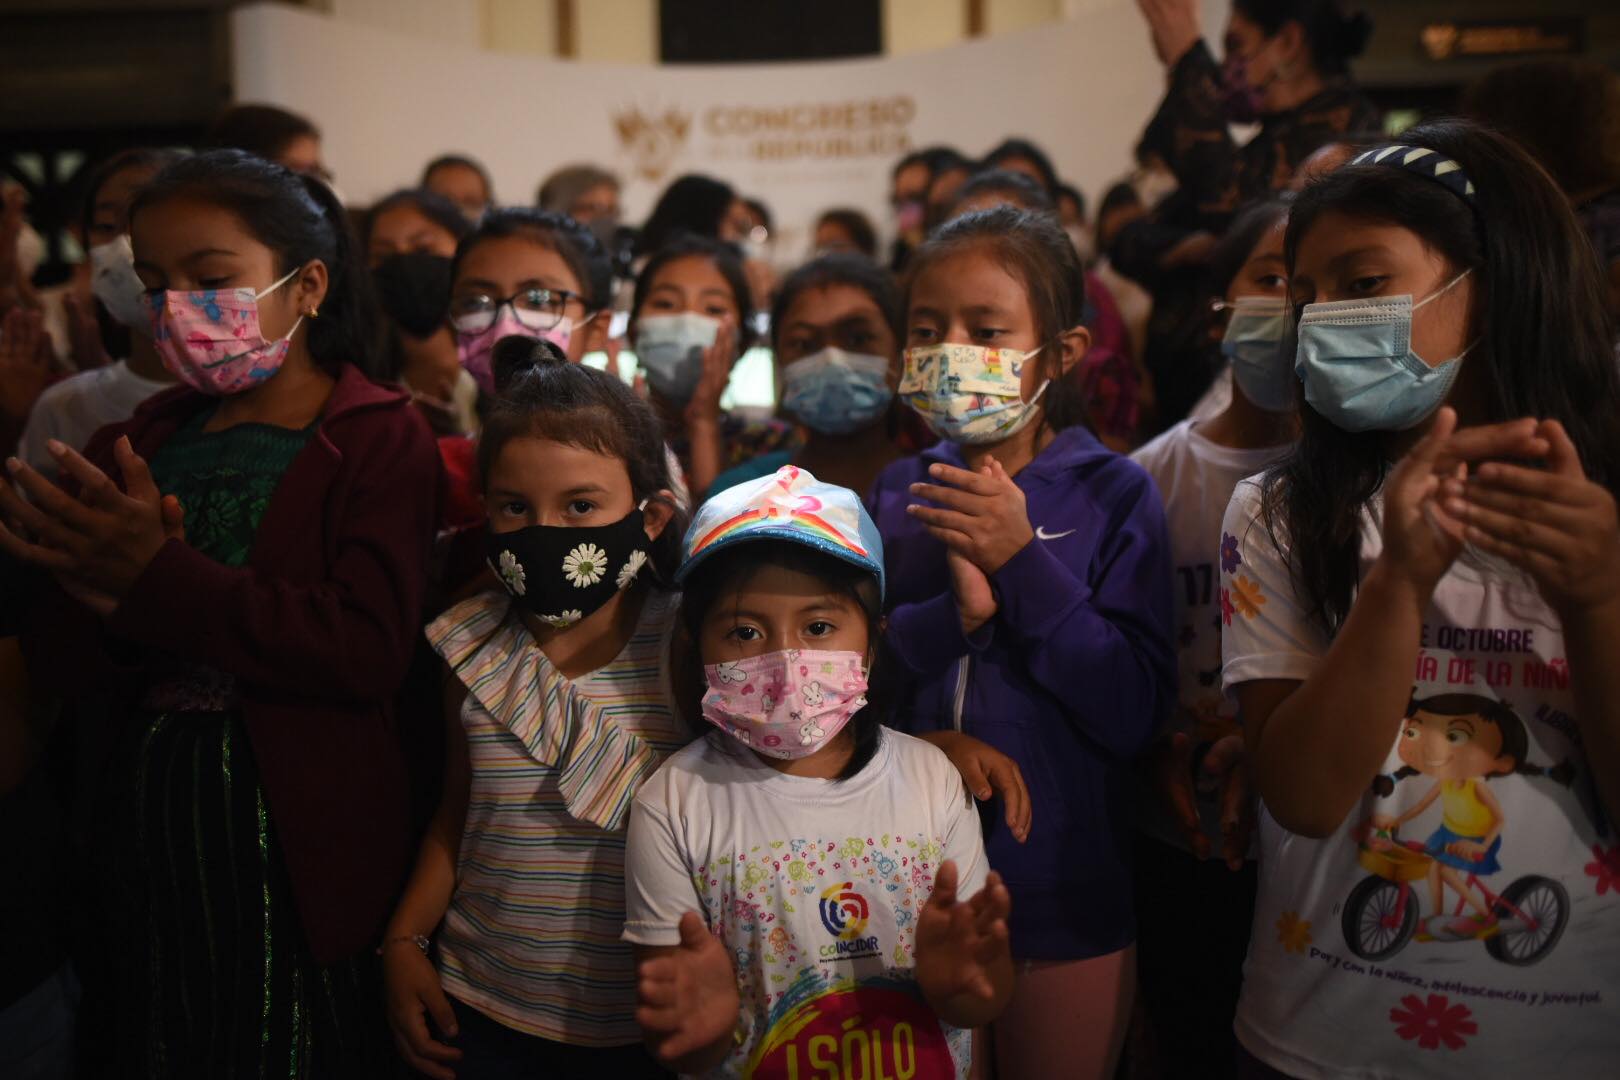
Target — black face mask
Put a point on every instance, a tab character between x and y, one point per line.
563	573
415	291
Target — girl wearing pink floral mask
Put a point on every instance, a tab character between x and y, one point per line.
802	865
528	273
236	576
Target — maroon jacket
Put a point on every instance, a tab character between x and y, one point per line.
318	629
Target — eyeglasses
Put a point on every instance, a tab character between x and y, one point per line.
536	309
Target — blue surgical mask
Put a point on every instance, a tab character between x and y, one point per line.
835	392
1253	343
1359	370
670	349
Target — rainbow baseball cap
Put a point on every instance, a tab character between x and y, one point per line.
790	505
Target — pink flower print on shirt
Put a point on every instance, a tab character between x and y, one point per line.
1433	1022
1605	868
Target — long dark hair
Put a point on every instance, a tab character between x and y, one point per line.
576	244
1544	346
1033	248
691	204
728	573
300	220
541	395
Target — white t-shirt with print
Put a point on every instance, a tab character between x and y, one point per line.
1348	973
815	887
1195	477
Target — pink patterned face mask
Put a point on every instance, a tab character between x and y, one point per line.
477	349
785	704
211	341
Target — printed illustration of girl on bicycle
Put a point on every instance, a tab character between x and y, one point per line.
1460	741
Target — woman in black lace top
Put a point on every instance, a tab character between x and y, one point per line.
1286	66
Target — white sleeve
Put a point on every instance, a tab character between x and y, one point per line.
42	426
964	842
1265	631
658	885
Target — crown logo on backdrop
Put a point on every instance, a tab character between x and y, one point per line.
652	140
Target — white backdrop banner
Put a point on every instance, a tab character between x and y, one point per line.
802	136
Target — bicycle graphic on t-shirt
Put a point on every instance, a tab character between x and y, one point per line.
1460	741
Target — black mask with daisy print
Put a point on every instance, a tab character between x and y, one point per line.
562	573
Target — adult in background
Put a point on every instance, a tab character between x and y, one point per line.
585	193
1566	112
273	134
844	230
1287	67
461	180
908	196
1023	156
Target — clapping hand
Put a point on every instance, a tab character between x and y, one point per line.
964	965
1554	523
98	544
980	516
686	998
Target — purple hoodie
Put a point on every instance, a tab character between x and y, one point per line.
1069	678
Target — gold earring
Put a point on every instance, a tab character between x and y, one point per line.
312	313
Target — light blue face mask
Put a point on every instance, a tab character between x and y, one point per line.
1356	359
670	350
1253	343
836	392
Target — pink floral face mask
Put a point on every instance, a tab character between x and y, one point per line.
476	349
786	704
211	339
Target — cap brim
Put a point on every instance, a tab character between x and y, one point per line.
788	534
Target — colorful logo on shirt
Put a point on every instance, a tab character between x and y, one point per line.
844	913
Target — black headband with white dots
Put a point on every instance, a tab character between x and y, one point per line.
1427	163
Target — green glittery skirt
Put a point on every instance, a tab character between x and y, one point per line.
212	974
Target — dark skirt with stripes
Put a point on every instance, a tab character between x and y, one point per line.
212	974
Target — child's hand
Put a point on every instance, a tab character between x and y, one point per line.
1224	769
412	992
1421	537
1553	523
717	363
963	962
1226	766
984	518
975	600
687	998
1472	850
987	771
25	362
